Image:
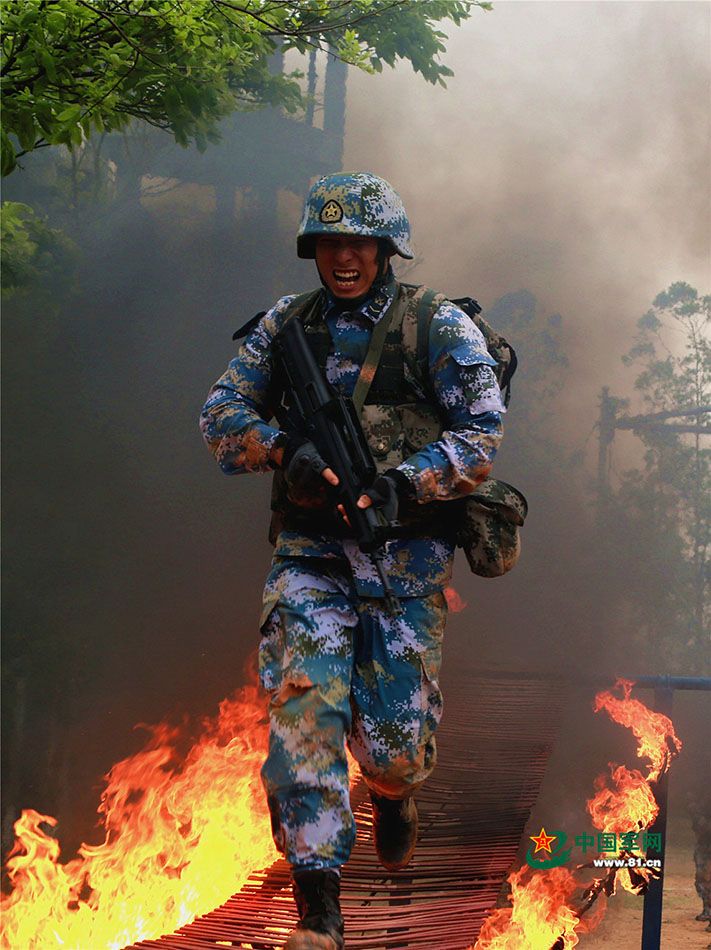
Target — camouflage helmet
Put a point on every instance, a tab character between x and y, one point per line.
358	203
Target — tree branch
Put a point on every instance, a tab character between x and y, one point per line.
161	65
40	143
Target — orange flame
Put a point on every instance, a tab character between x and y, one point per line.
181	837
455	603
541	913
654	732
630	804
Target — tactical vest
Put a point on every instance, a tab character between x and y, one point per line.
399	417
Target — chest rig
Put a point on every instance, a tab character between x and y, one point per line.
398	414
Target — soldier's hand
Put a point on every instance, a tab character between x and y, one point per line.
382	495
305	470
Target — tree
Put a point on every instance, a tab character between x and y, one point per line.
31	249
74	67
663	510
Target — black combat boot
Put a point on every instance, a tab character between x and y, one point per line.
320	921
394	830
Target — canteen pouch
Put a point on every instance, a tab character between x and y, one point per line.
489	531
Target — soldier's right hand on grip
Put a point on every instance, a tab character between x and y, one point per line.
307	474
303	465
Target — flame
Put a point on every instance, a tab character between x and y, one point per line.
180	838
654	732
541	915
354	771
629	805
455	603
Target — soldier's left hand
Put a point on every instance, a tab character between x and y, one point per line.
383	495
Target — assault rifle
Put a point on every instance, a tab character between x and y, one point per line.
329	420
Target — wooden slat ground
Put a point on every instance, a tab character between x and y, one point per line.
493	746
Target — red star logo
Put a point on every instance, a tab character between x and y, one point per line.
543	841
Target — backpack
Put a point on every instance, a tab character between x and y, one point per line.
488	532
498	346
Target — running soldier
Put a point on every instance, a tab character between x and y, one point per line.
340	668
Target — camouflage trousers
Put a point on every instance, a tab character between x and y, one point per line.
341	670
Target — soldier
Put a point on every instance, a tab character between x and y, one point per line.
339	668
700	809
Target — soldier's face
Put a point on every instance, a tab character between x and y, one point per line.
347	264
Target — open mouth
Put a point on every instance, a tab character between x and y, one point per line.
346	278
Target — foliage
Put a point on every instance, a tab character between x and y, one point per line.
664	508
31	249
668	379
74	67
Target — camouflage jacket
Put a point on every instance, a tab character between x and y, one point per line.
236	427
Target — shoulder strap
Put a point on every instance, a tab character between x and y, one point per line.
305	304
375	350
421	304
247	327
428	305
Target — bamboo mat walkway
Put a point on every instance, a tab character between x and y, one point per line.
494	742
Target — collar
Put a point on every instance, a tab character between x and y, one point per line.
381	295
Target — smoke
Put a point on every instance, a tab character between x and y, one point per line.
567	157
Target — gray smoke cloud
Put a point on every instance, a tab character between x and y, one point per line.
569	155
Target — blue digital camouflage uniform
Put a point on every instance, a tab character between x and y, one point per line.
337	665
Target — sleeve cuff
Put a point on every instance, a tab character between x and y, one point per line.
405	488
278	442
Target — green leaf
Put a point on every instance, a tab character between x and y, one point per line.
55	21
75	136
26	130
47	61
7	152
70	114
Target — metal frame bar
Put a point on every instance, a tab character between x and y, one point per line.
664	687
